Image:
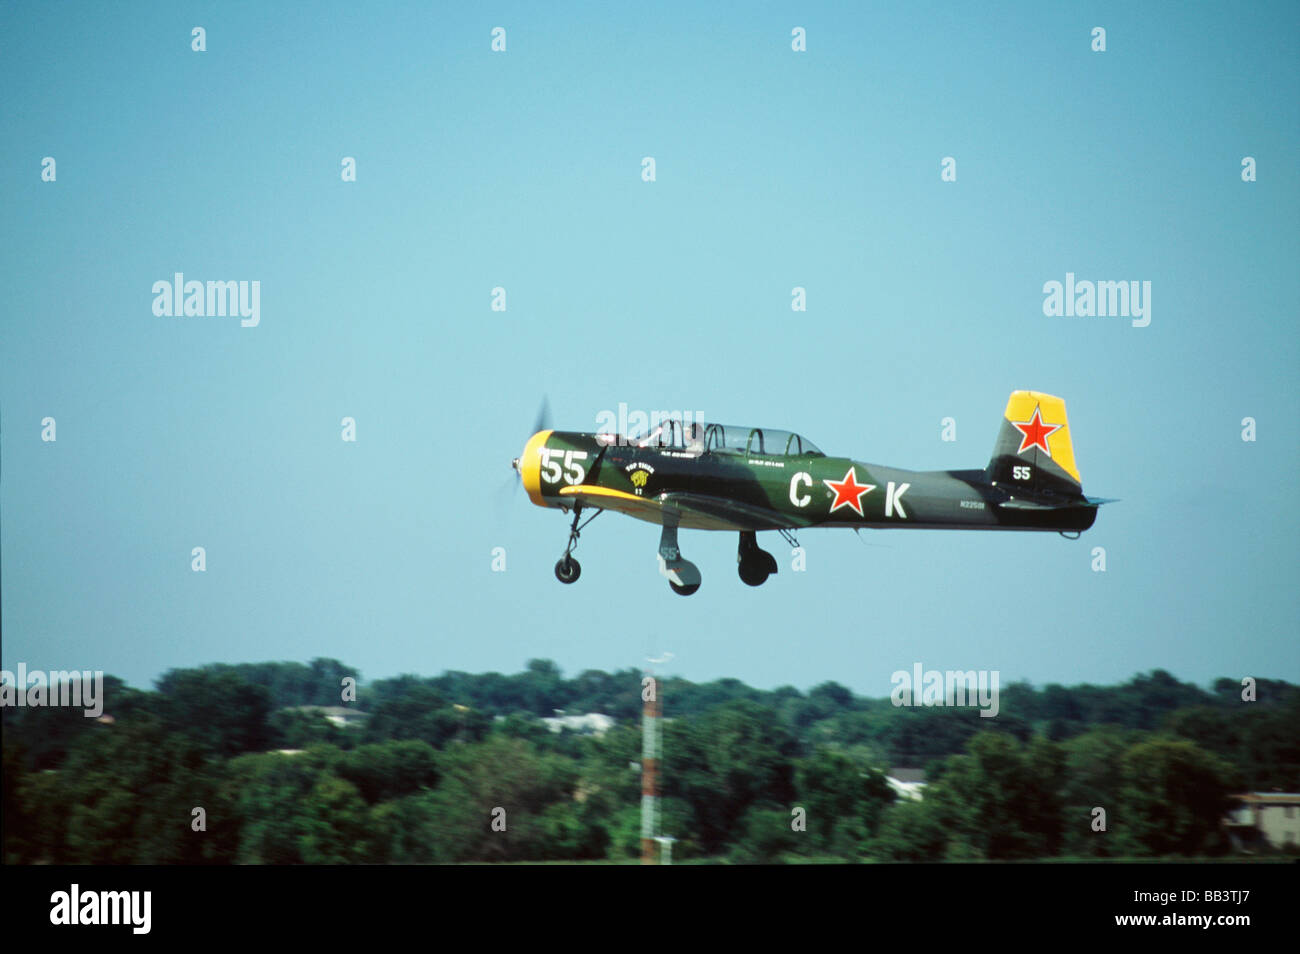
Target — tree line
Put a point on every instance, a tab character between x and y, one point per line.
221	764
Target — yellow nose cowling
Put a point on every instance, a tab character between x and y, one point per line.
530	466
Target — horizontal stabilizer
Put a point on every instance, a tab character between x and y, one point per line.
1014	504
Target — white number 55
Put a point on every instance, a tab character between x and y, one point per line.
572	472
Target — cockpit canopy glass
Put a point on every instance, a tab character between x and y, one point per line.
756	441
728	439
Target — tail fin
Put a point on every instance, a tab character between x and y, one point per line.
1034	452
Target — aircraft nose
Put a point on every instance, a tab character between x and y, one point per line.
530	466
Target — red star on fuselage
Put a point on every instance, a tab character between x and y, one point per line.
1035	433
848	492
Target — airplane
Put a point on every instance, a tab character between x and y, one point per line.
702	476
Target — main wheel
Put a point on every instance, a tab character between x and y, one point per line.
683	590
568	570
752	573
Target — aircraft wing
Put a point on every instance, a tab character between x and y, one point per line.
690	511
733	513
602	498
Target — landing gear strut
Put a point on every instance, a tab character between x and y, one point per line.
683	575
567	569
755	563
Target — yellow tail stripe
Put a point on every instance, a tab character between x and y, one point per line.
1020	407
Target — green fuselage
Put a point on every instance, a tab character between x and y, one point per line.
780	491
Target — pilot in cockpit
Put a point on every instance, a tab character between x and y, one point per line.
693	438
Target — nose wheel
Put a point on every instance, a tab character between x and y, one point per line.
567	569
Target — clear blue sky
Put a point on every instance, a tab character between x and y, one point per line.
523	169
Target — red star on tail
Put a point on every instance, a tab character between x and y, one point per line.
1035	433
848	492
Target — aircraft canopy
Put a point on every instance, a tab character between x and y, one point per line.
731	439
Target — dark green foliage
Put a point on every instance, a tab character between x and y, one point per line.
216	707
915	736
1001	800
416	711
287	684
911	831
1261	742
765	836
435	759
690	699
299	729
126	795
19	822
293	808
1171	799
390	769
530	795
725	761
46	734
844	800
1093	779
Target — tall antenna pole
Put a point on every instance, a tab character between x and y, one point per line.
650	752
